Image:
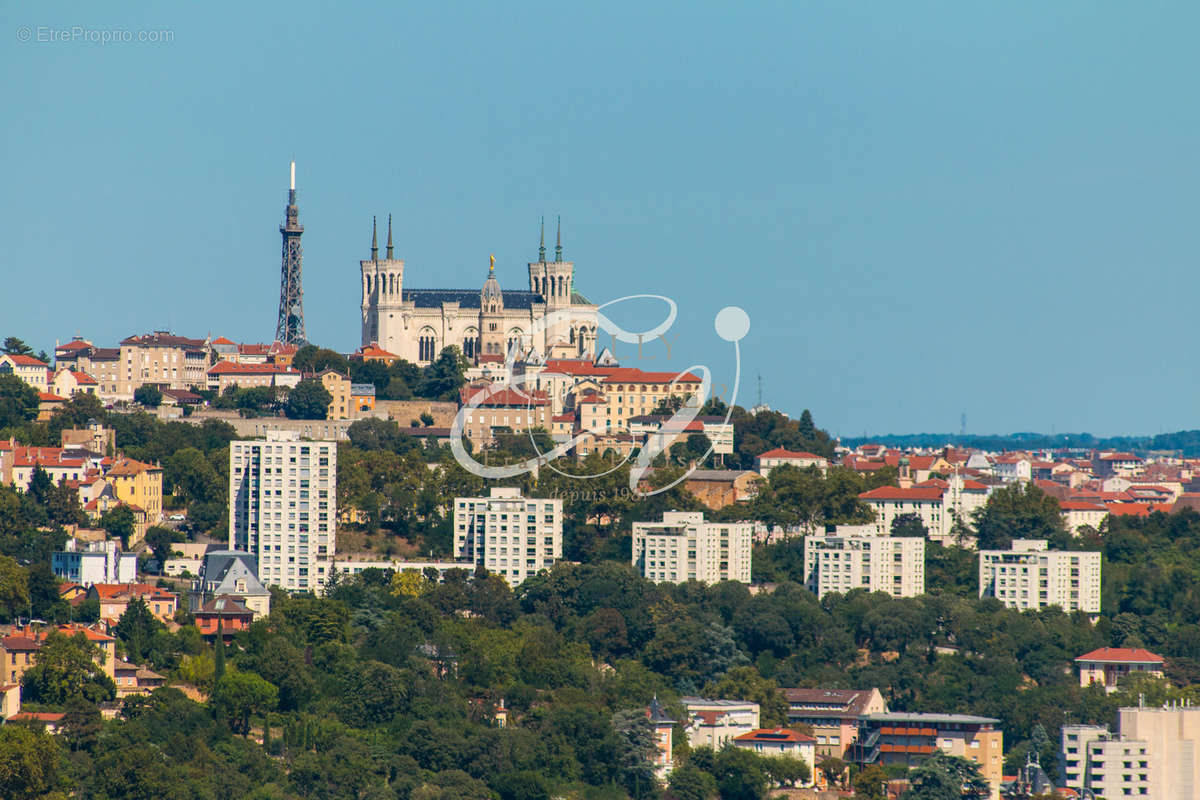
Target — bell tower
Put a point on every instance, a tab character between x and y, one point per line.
554	280
382	293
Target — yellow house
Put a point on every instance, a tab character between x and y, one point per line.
138	484
338	385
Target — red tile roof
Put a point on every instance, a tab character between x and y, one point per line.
780	452
896	493
27	361
128	466
1080	505
222	340
1138	509
43	456
231	368
774	736
507	398
374	351
74	344
1122	655
110	591
634	375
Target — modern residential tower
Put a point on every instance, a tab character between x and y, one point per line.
283	507
683	547
510	535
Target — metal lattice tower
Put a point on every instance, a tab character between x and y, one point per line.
290	327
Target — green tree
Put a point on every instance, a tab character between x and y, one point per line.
834	769
29	763
740	774
238	695
869	783
119	522
308	399
14	589
137	630
691	783
745	683
148	395
787	770
18	401
192	477
62	505
635	764
909	525
68	668
806	427
943	777
1019	511
16	347
445	376
160	540
82	724
311	358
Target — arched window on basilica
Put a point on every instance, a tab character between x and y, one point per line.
426	346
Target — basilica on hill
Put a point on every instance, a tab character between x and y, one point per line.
484	323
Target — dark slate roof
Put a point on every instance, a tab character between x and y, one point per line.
656	713
468	298
217	564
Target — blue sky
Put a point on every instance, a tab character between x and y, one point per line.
925	208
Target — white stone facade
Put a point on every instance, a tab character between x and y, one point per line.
508	534
416	324
283	507
1029	577
683	547
890	564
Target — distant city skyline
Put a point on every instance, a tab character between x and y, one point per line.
926	209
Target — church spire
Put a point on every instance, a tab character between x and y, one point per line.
558	243
542	243
389	244
374	242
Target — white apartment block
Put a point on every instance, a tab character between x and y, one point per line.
283	507
1155	753
891	564
683	547
509	535
1029	577
86	563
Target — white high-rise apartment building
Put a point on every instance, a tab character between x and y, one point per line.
1155	753
683	547
1029	577
839	563
283	507
510	535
